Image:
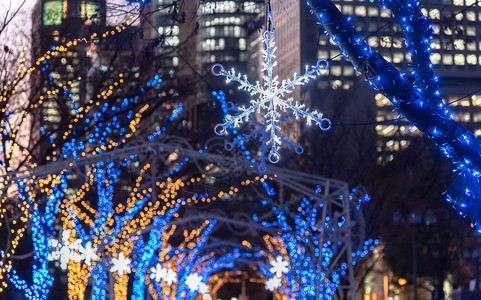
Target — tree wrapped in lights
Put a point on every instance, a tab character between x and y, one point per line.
42	280
309	257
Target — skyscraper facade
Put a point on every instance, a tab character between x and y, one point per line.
196	36
456	58
55	23
456	51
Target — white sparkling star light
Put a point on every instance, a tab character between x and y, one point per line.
269	100
120	265
64	250
273	283
194	282
279	266
88	253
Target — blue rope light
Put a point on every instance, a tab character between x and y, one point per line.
420	104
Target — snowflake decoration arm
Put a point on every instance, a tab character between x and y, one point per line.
269	99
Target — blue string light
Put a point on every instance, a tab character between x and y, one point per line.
309	261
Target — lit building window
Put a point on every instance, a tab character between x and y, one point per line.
477	117
348	71
462	117
381	100
397	58
459	44
242	44
471	59
372	12
463	102
89	11
435	44
360	11
434	14
219	7
447	59
476	100
385	13
458	2
237	31
397	43
172	41
436	29
212	44
471	30
322	54
347	9
336	84
435	58
471	16
459	16
388	130
373	41
52	12
336	70
386	42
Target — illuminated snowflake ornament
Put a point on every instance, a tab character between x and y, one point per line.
279	266
194	282
170	277
120	265
270	102
88	253
273	283
64	250
159	273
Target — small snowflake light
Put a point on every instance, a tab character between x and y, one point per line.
89	253
120	265
64	250
273	283
279	266
170	277
193	282
159	273
269	101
